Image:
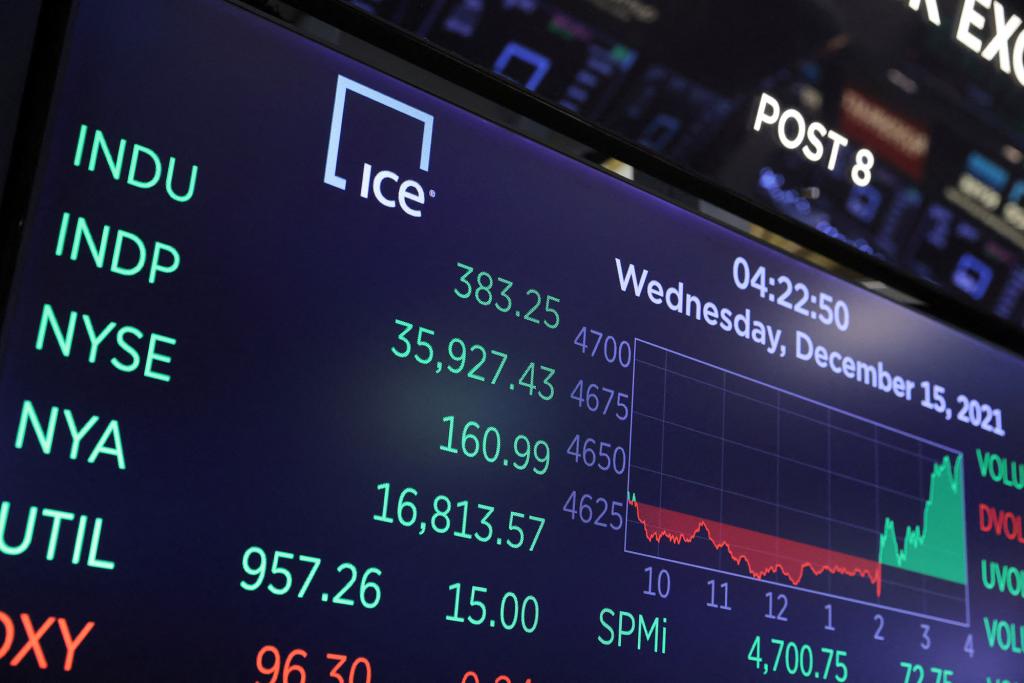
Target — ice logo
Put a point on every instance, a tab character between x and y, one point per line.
385	186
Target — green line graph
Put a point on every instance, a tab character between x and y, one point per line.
936	547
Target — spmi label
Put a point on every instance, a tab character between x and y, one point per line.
622	628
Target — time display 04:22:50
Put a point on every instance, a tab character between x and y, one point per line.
796	296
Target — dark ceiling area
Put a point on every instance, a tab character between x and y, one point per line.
682	79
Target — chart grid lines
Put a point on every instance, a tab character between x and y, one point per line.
840	475
629	444
740	394
741	495
794	395
802	589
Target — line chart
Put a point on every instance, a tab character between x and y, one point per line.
740	477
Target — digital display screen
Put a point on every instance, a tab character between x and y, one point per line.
310	375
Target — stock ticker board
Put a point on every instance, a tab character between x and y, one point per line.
309	375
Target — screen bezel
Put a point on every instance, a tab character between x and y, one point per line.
402	55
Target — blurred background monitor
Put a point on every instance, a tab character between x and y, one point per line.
680	79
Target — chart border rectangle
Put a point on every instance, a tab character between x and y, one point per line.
951	451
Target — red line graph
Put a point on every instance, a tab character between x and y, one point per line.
763	554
